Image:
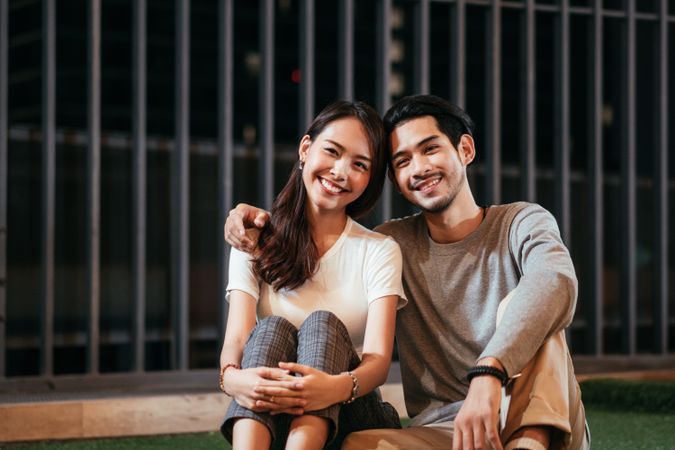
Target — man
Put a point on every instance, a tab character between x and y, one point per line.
491	291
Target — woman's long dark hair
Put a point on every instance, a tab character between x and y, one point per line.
288	255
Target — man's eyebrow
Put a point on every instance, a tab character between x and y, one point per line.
426	139
419	144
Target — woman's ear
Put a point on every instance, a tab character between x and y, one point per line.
303	148
466	150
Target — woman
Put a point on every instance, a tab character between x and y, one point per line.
325	292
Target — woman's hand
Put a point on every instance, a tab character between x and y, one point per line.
319	389
244	386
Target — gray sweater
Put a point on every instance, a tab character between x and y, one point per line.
454	291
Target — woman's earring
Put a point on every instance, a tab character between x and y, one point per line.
301	165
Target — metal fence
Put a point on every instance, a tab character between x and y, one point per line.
607	87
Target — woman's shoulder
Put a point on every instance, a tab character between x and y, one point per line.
359	231
372	242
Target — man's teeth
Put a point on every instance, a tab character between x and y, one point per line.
427	185
330	186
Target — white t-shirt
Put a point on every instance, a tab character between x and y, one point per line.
359	268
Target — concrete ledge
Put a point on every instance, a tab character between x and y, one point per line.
112	405
635	375
126	416
108	417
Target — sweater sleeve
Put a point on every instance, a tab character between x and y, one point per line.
544	300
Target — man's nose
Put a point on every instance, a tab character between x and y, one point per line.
420	165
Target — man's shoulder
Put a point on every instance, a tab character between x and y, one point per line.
520	219
402	228
516	207
511	212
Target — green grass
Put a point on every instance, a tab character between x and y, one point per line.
621	414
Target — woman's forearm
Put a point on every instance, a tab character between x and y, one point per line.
230	354
372	372
378	344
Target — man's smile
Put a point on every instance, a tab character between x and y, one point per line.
426	184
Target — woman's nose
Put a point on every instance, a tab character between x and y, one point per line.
340	169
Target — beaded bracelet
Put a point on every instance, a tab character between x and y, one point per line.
477	371
221	381
355	389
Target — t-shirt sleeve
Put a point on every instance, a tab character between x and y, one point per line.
382	274
241	276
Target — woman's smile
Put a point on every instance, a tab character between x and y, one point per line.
330	187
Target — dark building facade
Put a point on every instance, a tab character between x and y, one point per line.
129	128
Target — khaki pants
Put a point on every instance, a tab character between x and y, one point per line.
545	393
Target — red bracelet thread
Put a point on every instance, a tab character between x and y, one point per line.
221	381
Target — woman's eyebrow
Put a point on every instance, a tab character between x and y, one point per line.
342	147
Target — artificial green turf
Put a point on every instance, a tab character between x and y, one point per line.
621	415
623	430
633	396
196	441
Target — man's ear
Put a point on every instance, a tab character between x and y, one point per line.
303	148
466	149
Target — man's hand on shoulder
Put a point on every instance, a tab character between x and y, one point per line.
477	422
243	226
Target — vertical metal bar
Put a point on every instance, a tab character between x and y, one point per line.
139	164
94	182
457	54
421	35
266	107
306	64
494	100
181	185
383	76
561	134
4	148
383	65
346	49
48	182
628	184
225	141
594	335
529	111
660	307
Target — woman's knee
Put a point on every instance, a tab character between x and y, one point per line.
275	324
273	339
324	320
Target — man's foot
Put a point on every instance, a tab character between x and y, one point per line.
530	438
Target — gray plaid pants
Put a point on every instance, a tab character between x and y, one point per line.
321	342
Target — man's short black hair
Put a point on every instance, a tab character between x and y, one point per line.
451	119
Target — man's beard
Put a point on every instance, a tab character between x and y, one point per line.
445	202
439	206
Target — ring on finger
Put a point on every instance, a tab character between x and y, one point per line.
272	399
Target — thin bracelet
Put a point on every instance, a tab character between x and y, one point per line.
355	388
478	371
221	381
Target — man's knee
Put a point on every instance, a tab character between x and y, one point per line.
362	440
413	438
